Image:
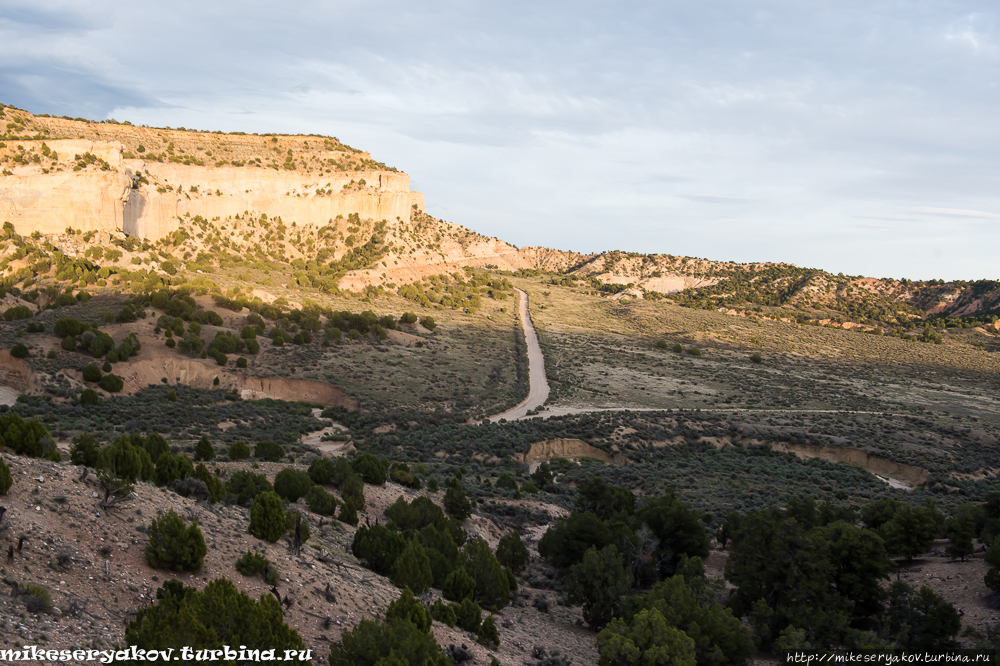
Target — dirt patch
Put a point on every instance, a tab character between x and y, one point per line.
569	448
14	372
202	374
906	476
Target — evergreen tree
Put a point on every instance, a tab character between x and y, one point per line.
456	504
492	585
648	639
408	607
208	619
488	634
6	480
204	450
174	545
267	517
598	582
910	531
412	569
459	585
960	530
512	553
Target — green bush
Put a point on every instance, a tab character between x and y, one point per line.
320	501
512	553
68	343
353	490
370	468
85	450
443	612
243	487
111	383
241	362
677	348
121	459
756	358
456	504
468	615
348	513
321	471
174	545
397	642
18	312
68	327
6	480
217	615
27	438
412	568
267	517
36	598
428	323
694	351
488	634
291	484
458	585
268	451
204	449
662	344
239	450
20	350
89	397
408	607
170	468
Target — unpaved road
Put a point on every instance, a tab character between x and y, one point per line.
538	386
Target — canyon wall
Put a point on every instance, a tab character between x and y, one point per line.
104	199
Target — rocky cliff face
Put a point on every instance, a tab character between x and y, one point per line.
111	178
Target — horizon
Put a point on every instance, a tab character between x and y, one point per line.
857	139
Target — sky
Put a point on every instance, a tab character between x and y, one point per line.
855	136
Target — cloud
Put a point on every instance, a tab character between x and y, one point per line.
956	212
575	124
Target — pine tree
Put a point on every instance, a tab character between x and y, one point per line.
413	569
267	517
204	450
174	545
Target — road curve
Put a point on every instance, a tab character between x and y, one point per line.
538	386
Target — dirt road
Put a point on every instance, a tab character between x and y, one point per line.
538	391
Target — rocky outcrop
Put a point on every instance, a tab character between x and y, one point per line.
569	448
101	196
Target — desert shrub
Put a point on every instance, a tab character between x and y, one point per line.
85	450
507	482
267	517
348	513
492	583
174	545
353	490
18	312
378	547
416	515
242	487
397	642
488	633
456	504
408	607
428	323
370	468
27	438
320	501
36	598
190	486
216	488
217	615
6	480
241	362
204	449
20	350
321	471
239	450
512	553
412	568
92	373
121	459
694	351
170	468
677	348
89	397
443	612
291	484
468	615
68	327
156	445
458	585
662	344
68	343
111	383
756	358
268	451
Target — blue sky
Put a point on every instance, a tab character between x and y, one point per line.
858	137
